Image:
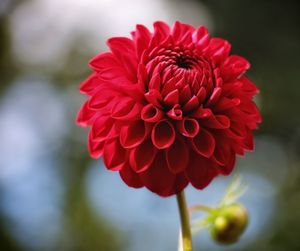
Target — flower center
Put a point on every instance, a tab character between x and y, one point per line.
183	62
180	80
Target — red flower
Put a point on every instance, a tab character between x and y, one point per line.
169	108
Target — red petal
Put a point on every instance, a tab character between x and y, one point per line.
163	134
239	129
126	109
227	169
102	127
248	86
155	82
101	98
133	134
204	143
216	122
176	30
154	97
119	45
249	141
158	178
130	177
201	171
103	61
202	113
162	28
116	75
142	156
180	30
201	38
222	151
134	91
214	96
142	76
199	33
185	94
186	38
124	50
142	39
233	67
188	127
95	147
175	113
201	94
85	115
130	63
218	50
172	98
192	104
151	113
89	85
226	103
177	156
168	86
114	155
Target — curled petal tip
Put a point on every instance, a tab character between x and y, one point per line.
163	134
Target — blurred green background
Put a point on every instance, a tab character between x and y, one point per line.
54	197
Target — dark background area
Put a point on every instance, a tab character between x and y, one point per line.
40	96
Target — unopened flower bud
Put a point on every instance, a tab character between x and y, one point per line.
229	224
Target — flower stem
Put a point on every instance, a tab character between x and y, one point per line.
185	222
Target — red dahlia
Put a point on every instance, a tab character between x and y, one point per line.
169	107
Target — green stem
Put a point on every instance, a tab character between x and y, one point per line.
185	222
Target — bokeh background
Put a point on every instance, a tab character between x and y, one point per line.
54	197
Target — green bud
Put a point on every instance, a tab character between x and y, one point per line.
229	223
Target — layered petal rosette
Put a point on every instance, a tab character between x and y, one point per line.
169	107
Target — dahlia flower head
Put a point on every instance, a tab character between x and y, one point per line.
169	107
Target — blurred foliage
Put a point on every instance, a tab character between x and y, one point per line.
265	32
83	230
6	65
7	243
